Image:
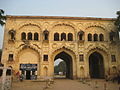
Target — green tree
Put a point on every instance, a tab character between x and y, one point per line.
62	67
2	17
56	69
117	22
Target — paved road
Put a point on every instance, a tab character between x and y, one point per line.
65	84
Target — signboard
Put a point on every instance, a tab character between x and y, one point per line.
28	67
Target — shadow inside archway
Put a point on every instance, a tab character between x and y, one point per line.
96	65
66	63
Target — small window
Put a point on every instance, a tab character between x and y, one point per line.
29	36
8	72
1	72
56	37
12	34
45	57
10	58
46	34
36	36
95	37
89	37
113	58
70	37
80	35
63	36
81	57
23	36
101	37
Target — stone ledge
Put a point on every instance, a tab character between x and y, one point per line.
61	17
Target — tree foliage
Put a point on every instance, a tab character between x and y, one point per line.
2	17
56	69
117	22
61	67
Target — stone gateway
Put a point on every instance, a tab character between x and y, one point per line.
89	46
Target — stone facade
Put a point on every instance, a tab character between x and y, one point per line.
79	50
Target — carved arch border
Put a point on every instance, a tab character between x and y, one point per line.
56	51
23	47
73	56
23	24
64	23
96	49
105	55
100	25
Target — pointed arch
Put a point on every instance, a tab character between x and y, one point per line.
100	54
70	55
96	65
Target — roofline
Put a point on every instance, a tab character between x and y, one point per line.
61	17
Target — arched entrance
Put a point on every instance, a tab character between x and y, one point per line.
96	65
28	63
69	64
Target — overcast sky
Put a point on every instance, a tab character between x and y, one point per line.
79	8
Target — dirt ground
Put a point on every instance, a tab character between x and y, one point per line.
66	84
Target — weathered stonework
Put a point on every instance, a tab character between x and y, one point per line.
31	51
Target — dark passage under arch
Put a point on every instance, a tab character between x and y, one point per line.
68	60
96	65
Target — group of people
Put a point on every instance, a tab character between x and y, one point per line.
19	76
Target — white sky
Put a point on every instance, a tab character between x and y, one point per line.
77	8
57	61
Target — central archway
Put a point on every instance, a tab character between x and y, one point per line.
69	64
96	65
